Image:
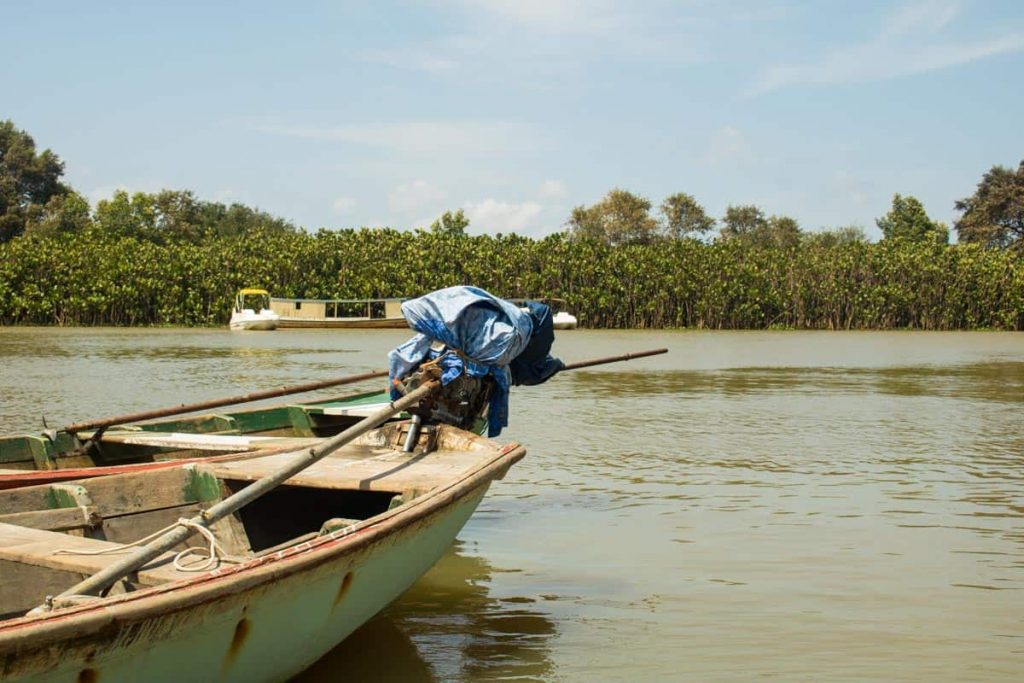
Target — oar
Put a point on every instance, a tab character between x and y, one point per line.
111	574
613	359
105	422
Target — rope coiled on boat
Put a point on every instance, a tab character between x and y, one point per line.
214	554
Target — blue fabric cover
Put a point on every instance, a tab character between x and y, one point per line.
489	331
536	365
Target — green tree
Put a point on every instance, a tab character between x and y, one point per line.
621	217
682	216
174	216
994	214
127	216
64	213
28	181
451	223
907	220
741	222
747	224
781	231
850	234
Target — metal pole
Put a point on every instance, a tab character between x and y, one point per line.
218	402
108	576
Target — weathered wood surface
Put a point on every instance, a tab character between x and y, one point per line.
222	443
364	467
39	548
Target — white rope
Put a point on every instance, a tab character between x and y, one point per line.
213	553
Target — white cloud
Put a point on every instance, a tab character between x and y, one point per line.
550	36
553	189
728	145
414	197
426	138
905	45
492	215
558	15
343	204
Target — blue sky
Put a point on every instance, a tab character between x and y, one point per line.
343	114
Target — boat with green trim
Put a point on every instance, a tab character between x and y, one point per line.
290	574
58	455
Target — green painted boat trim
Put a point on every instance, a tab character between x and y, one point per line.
32	452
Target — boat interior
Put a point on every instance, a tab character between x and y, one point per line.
244	431
54	535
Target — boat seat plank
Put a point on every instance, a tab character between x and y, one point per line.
362	467
224	443
37	547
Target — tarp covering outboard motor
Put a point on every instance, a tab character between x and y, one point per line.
487	335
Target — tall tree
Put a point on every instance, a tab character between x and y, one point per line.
682	216
747	223
64	213
28	181
907	220
451	223
850	234
781	231
621	217
126	216
994	214
742	221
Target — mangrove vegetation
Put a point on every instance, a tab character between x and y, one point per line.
169	258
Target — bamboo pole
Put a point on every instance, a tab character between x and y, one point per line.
105	422
613	359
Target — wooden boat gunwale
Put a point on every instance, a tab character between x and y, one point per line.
32	631
15	477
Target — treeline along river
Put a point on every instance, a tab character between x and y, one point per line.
94	279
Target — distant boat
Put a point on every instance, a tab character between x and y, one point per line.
252	311
339	313
561	318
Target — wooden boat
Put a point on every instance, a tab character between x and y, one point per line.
54	457
252	311
300	568
339	313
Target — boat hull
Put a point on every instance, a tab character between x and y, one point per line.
262	624
250	320
254	325
564	321
338	323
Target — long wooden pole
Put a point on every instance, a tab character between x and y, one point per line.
613	359
111	574
105	422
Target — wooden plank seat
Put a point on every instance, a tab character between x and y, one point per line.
371	464
39	548
32	568
219	443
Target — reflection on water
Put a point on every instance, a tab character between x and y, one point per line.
446	628
795	506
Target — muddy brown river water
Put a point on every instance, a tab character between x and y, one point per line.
782	505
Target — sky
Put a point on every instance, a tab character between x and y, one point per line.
387	113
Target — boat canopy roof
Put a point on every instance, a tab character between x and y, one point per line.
252	290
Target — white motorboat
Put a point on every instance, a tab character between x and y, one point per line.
252	311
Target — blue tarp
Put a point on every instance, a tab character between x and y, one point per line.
489	331
536	365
